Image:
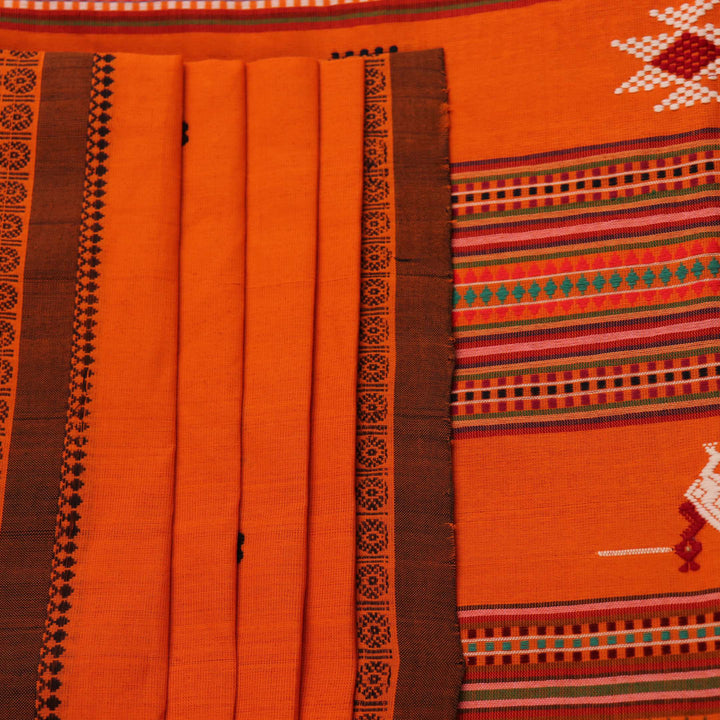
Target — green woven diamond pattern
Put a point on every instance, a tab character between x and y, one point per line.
519	291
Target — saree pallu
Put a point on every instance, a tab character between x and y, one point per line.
243	477
549	198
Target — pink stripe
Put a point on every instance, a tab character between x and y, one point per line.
583	607
487	239
583	682
481	350
589	700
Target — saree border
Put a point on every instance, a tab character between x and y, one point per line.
81	374
431	664
35	457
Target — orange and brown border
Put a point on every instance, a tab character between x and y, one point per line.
410	664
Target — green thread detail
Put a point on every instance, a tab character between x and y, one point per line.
697	269
681	272
582	284
632	279
502	292
665	275
456	298
683	634
534	290
542	644
594	642
649	277
550	288
599	282
714	267
518	292
615	280
701	632
486	295
524	644
507	646
470	296
472	647
566	286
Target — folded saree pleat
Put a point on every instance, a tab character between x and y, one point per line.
329	631
94	418
282	181
203	670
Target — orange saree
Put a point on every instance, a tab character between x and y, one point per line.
359	360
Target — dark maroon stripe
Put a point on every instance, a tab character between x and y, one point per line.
524	224
660	141
431	664
600	421
178	21
660	709
546	242
590	669
34	466
583	349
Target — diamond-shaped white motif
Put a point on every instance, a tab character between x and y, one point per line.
687	91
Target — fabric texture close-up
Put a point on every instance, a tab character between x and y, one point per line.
359	360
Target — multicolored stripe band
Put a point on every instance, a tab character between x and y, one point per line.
620	657
571	269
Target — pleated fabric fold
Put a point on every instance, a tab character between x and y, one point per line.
282	193
329	622
226	467
210	362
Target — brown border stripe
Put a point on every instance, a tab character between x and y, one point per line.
34	466
431	666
